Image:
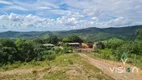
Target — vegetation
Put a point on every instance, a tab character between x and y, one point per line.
73	38
139	34
115	47
64	67
24	50
30	52
52	40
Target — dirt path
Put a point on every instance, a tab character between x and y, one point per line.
106	65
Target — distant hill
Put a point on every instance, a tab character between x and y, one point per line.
90	34
32	34
93	33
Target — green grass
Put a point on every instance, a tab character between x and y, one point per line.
19	77
64	67
17	65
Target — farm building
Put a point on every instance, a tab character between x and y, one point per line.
75	45
90	44
84	45
48	45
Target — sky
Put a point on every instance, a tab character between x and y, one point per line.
58	15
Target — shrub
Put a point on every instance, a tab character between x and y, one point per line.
68	49
113	43
106	53
51	57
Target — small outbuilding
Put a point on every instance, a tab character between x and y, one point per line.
100	45
90	44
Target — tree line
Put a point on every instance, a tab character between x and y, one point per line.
22	50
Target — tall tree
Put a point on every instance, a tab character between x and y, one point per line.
8	50
25	50
52	40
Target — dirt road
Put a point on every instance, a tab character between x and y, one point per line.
107	66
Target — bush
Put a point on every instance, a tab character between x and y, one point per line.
113	43
67	49
96	50
51	57
57	50
106	53
129	47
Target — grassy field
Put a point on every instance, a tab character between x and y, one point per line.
64	67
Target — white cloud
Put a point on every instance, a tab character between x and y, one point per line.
106	10
119	22
4	17
67	21
16	7
5	2
93	12
74	21
38	4
60	12
43	8
70	14
15	17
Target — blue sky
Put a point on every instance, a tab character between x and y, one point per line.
55	15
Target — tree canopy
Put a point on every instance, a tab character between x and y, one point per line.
52	40
72	38
139	34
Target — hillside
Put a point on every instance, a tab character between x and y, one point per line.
90	34
103	33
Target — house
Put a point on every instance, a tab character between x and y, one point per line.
87	45
75	45
84	45
48	45
90	44
59	43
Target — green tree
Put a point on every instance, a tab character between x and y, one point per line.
52	40
38	51
25	50
72	38
8	51
38	40
139	34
